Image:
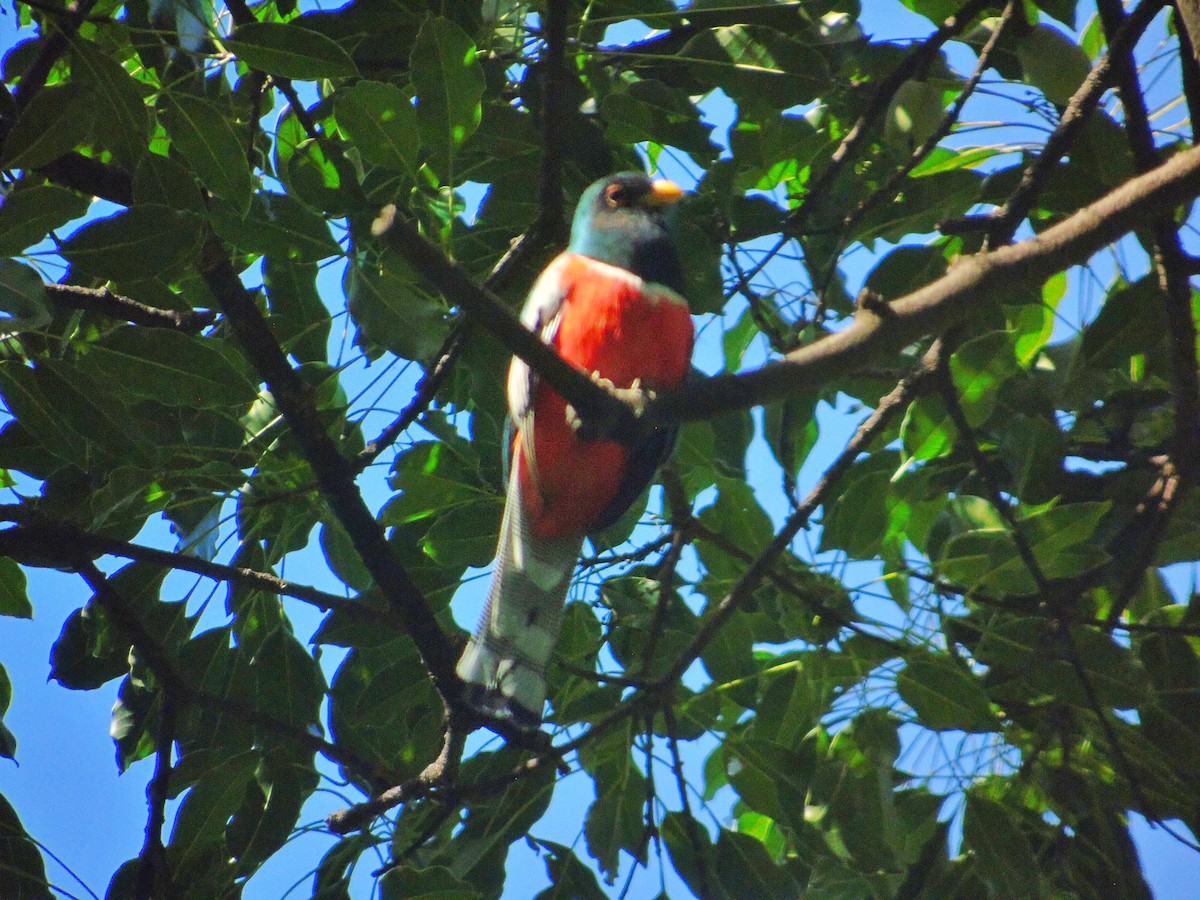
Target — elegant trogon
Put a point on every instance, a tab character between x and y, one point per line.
611	305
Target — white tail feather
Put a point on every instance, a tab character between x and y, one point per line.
504	665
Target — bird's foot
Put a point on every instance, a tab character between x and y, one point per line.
634	395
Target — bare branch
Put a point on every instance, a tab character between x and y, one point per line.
104	301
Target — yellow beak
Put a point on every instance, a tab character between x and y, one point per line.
663	193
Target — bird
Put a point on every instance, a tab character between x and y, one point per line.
612	305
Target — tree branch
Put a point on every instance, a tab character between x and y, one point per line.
912	65
1170	260
334	472
35	535
1002	224
971	281
115	306
154	876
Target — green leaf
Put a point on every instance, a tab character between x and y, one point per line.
449	82
287	680
1001	850
615	822
651	111
41	419
207	807
383	707
857	521
791	431
745	869
465	536
23	298
756	65
693	860
31	212
379	119
944	695
169	367
299	318
58	119
1053	63
201	132
341	556
164	181
570	879
13	599
20	860
1132	320
290	51
88	652
433	883
771	778
277	225
124	128
914	114
8	742
139	242
492	825
394	312
980	368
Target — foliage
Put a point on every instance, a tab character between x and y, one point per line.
993	565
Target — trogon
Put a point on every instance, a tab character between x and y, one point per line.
612	306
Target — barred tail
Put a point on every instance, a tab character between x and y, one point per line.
504	665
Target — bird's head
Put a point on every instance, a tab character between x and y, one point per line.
625	220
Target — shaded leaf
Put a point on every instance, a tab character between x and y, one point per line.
449	83
30	212
380	120
944	695
201	132
290	51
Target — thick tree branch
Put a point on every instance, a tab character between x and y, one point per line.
971	281
334	472
1188	12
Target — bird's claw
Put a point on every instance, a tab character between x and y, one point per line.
635	396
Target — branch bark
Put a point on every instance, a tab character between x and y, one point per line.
334	472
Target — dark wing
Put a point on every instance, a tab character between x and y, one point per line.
639	471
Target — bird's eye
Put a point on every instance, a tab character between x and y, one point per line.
615	195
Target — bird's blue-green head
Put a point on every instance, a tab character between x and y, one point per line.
625	220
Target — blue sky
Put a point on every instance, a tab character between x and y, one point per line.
71	798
